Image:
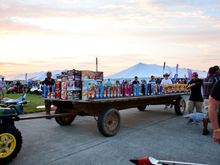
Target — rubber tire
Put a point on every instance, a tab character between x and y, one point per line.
177	107
141	107
9	128
64	120
102	119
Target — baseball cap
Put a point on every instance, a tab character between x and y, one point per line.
194	74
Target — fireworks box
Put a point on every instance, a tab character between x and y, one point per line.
57	85
64	95
77	75
57	94
70	75
73	95
69	95
88	89
91	75
74	85
70	85
77	85
77	95
63	85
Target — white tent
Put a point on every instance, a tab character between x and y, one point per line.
37	76
146	70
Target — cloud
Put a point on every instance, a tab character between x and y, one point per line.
44	9
140	15
11	67
134	30
12	64
11	26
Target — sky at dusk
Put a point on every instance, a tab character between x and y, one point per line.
46	35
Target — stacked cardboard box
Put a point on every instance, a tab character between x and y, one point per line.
91	84
70	85
57	89
64	86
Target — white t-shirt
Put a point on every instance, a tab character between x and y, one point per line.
165	82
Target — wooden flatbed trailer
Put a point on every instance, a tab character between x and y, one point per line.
106	110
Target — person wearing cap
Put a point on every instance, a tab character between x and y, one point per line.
166	81
195	99
208	84
49	81
214	102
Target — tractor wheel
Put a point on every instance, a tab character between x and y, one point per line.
10	143
64	120
109	122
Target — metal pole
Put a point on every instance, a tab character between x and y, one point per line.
96	64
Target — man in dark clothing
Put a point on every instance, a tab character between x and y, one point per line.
217	70
48	82
135	81
208	84
135	84
214	102
152	82
195	99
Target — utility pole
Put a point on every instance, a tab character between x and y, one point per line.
96	64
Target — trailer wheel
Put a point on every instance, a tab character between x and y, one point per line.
141	107
180	106
10	143
64	120
109	122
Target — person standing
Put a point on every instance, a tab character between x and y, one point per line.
151	83
136	86
166	81
208	84
49	81
135	81
217	70
2	86
214	102
195	99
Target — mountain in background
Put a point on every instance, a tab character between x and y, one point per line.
146	70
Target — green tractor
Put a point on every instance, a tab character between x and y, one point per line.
10	136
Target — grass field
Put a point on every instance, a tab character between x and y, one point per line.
33	102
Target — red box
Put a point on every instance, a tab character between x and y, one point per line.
57	94
57	85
